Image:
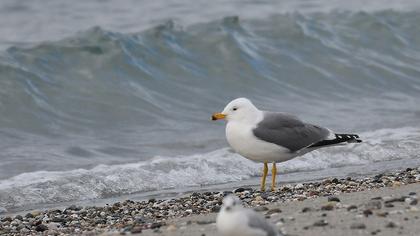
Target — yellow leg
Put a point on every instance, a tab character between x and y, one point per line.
273	176
264	176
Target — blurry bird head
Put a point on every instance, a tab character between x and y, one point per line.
231	202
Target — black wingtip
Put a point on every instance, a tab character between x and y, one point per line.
354	141
339	138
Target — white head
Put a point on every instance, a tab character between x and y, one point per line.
231	203
240	109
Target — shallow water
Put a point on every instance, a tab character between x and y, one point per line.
119	103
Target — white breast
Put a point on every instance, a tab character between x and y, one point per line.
240	137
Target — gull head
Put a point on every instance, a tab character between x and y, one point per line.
231	203
240	109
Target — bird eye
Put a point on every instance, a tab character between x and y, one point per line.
235	108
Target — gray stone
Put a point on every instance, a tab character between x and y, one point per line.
41	228
391	224
327	207
306	209
320	223
395	199
136	230
205	222
352	208
367	212
389	205
374	204
357	226
333	199
272	211
411	201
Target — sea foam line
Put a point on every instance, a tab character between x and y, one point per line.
216	167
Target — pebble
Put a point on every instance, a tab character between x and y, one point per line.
382	214
272	211
333	199
375	232
395	199
215	209
136	230
156	225
413	209
320	223
57	219
74	208
36	213
152	200
29	215
306	209
240	190
299	186
374	204
53	225
205	222
367	212
189	211
357	226
389	205
351	208
391	224
396	184
328	207
411	201
6	219
41	228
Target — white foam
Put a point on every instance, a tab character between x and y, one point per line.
220	166
103	181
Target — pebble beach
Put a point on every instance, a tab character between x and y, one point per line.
379	196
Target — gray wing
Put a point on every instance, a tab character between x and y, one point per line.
259	222
288	131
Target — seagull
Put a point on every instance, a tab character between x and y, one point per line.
264	136
235	220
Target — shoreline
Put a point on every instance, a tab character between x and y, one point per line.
356	171
173	214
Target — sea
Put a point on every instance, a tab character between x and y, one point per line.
103	100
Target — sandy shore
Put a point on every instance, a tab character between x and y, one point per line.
386	211
385	204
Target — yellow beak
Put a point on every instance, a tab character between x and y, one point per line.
218	116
